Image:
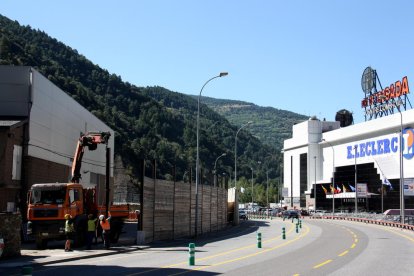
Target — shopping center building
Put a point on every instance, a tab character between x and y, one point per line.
350	163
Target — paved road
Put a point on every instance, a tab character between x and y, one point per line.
321	247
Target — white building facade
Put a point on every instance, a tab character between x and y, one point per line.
367	153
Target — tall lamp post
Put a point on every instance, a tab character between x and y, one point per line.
267	190
197	158
314	191
258	162
252	189
236	208
356	185
333	176
402	204
235	153
215	172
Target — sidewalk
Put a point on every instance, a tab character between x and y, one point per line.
30	256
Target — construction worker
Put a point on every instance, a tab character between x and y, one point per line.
91	231
69	231
106	228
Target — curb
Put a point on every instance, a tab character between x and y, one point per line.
370	221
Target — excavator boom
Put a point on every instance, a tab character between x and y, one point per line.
90	140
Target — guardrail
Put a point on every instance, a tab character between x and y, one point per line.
378	219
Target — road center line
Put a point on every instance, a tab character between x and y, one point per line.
248	256
322	264
215	255
343	253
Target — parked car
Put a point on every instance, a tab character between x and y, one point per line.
291	214
242	215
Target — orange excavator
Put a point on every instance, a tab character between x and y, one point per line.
48	203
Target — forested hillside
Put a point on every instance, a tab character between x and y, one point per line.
270	125
150	122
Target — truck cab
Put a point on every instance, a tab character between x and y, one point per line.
47	205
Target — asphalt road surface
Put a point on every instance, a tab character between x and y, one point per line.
319	247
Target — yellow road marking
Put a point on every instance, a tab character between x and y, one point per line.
216	255
322	264
247	256
296	274
353	245
356	240
343	253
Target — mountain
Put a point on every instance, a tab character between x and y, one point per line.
149	122
270	125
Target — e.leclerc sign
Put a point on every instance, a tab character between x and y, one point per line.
384	146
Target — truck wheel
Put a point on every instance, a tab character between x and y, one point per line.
41	243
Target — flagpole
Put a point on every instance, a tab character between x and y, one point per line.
382	198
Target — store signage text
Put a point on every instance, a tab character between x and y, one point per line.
400	88
383	146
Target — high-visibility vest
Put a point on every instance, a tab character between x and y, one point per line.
91	225
69	226
105	225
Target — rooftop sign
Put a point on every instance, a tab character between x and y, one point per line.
387	100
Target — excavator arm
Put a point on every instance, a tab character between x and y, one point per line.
90	140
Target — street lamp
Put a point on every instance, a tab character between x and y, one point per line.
236	208
356	185
215	173
252	189
314	191
333	176
402	204
258	162
235	153
267	190
197	158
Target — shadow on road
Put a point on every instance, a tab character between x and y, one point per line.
107	270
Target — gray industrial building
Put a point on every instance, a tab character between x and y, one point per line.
39	127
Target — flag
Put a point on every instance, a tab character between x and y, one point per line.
343	188
386	182
332	189
352	188
324	189
338	189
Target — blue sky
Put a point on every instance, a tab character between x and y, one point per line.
302	56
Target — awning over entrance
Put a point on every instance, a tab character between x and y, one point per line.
349	195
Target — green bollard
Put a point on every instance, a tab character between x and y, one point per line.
284	233
191	255
300	224
297	226
259	240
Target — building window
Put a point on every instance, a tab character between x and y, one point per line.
17	163
303	178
